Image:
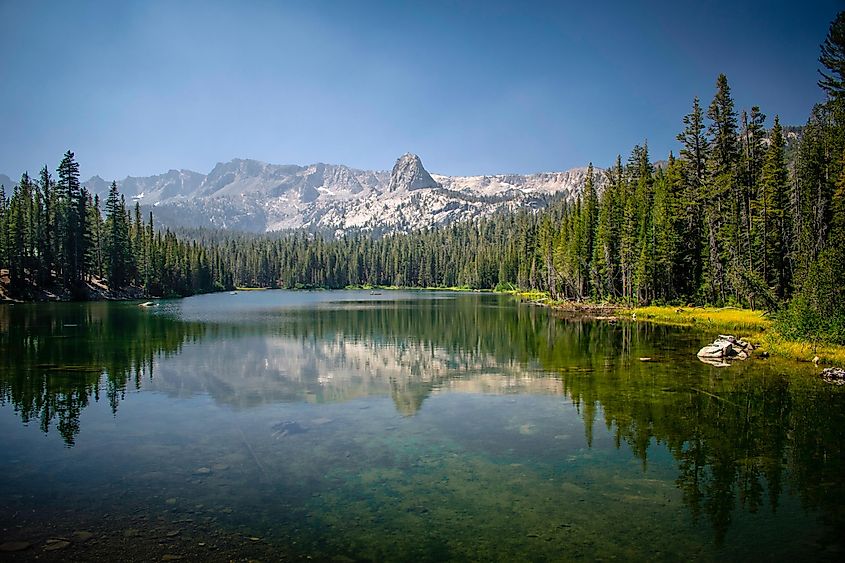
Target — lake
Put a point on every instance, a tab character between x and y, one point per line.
422	426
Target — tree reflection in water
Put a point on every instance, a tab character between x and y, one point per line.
739	436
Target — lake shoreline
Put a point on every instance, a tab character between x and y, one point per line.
98	291
95	289
755	326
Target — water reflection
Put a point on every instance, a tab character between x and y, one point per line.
740	437
56	358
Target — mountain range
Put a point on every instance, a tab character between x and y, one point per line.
253	196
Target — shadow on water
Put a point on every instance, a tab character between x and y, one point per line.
741	438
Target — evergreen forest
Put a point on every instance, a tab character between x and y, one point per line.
749	213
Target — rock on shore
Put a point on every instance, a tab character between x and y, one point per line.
725	347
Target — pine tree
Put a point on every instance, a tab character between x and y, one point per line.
606	250
546	237
751	165
833	58
589	226
32	204
46	226
26	225
817	206
773	226
722	199
96	249
644	197
71	222
17	238
139	258
4	229
694	153
664	219
117	240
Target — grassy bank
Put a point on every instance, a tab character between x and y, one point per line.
542	298
728	319
536	296
410	288
828	354
753	325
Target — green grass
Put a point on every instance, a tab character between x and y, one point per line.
538	296
456	288
755	326
725	319
407	288
830	354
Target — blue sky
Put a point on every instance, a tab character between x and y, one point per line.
137	88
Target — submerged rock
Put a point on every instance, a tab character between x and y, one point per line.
83	535
715	362
56	544
288	428
836	376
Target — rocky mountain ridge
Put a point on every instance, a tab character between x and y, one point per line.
254	196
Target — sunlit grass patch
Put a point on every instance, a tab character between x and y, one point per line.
535	296
755	326
725	319
538	296
804	351
464	288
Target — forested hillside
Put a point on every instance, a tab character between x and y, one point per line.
734	218
55	239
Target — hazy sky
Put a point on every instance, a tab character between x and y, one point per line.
137	88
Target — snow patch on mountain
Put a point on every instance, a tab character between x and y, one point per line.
256	196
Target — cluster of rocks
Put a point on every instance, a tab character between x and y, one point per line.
836	376
725	347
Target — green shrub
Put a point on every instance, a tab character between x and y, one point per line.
801	320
